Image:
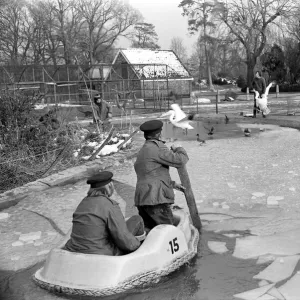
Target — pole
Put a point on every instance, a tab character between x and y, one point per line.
217	100
189	196
277	90
247	92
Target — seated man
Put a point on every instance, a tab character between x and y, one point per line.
154	189
98	223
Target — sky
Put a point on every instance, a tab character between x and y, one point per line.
166	16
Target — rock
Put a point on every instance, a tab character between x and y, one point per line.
292	189
253	198
225	206
275	165
4	216
17	244
216	204
242	205
30	236
258	194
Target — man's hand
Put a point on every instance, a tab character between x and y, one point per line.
179	187
174	147
109	115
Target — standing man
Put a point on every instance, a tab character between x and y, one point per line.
259	84
154	189
103	111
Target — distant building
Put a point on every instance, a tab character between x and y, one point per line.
149	73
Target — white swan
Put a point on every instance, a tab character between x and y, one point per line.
262	102
178	117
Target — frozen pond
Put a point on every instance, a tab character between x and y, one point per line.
246	189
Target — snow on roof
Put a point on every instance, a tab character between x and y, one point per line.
157	61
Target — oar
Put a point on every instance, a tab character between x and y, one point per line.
189	196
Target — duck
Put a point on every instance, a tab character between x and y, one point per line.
178	118
211	131
202	142
247	132
226	119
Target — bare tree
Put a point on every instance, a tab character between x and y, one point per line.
103	22
178	47
249	21
14	26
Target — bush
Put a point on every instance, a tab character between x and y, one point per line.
241	82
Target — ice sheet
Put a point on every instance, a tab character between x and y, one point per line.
280	269
291	289
285	243
254	294
217	247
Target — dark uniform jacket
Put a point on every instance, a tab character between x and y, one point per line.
99	228
259	84
154	185
103	109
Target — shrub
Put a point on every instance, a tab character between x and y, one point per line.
241	82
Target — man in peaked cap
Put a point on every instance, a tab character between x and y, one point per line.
98	223
154	189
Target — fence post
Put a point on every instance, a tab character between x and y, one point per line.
217	100
277	90
247	92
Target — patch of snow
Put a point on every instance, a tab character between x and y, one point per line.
15	257
258	194
4	216
17	244
231	185
141	57
43	252
30	236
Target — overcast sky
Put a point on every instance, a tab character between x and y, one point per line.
166	16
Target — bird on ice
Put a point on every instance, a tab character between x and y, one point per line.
177	117
247	132
201	142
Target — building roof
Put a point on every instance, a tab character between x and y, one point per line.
148	63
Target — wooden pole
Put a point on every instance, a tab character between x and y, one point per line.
217	100
189	196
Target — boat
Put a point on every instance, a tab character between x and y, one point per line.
165	249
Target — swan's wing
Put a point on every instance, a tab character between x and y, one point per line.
267	89
179	114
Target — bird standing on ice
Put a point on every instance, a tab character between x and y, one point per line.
178	118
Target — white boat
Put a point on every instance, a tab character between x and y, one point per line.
164	250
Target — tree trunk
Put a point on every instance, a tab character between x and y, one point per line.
251	63
210	84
